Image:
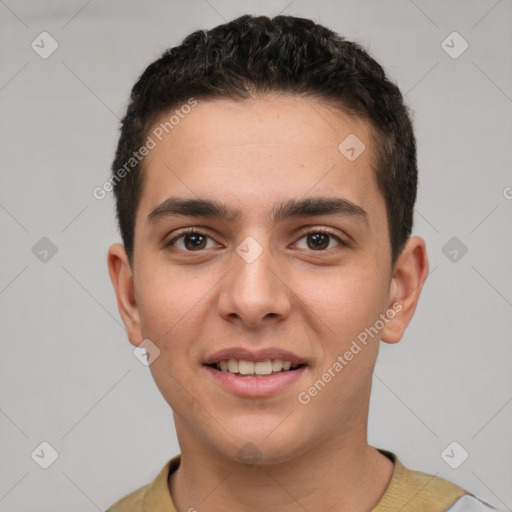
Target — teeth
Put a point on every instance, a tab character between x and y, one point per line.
243	367
263	367
277	365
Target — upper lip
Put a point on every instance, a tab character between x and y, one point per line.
253	355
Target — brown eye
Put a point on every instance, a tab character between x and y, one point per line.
191	241
318	241
321	240
194	241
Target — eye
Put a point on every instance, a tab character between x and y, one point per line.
320	240
191	240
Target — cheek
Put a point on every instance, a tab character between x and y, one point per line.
169	309
349	306
173	309
168	301
347	302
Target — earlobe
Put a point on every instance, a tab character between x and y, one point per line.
409	274
122	279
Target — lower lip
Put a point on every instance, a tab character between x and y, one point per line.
254	387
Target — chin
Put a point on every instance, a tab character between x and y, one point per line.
260	443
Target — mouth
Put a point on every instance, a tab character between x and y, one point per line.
256	369
250	373
256	374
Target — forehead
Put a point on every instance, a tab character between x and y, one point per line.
267	148
267	119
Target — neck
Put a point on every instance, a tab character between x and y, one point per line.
337	475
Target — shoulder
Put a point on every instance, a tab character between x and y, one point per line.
154	496
422	492
470	503
133	502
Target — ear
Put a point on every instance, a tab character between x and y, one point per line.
409	274
122	279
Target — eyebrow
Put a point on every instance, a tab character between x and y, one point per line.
307	207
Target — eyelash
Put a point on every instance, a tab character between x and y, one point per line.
323	231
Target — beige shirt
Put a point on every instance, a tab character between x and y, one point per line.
408	491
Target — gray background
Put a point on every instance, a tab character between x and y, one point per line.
68	374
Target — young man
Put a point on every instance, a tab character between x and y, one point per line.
265	181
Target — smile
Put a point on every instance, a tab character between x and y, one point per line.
265	368
240	377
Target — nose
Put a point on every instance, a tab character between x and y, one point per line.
255	293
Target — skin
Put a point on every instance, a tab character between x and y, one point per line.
313	302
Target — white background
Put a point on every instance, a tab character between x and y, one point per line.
68	375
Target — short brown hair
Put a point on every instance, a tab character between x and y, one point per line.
258	54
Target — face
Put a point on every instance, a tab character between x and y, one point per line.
288	264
